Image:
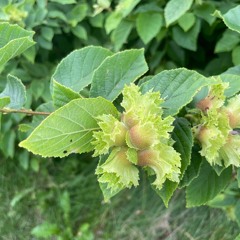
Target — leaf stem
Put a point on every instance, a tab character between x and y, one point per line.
24	111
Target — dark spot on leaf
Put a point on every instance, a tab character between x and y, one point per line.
70	140
65	151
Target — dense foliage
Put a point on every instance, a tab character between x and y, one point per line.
143	93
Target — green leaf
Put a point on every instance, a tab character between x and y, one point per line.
34	164
16	91
231	18
62	95
80	32
236	56
205	11
218	169
148	25
57	14
30	54
24	127
42	42
177	87
223	200
97	21
7	144
148	7
123	8
38	88
207	185
167	191
186	21
120	34
76	70
113	21
47	33
237	212
45	230
182	135
227	42
234	82
116	71
23	158
69	129
238	237
238	177
14	40
107	192
188	39
193	169
175	9
4	101
77	14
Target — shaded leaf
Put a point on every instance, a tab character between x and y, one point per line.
123	8
223	200
77	14
236	56
148	25
207	185
237	212
193	169
205	11
182	135
16	91
227	42
188	39
62	95
231	18
120	34
238	177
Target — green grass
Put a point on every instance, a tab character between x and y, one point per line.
136	214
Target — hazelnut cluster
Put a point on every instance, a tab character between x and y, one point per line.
217	131
139	138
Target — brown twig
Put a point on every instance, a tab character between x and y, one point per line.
24	111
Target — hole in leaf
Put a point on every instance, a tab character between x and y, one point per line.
65	151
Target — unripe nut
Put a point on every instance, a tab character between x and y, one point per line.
128	120
205	104
146	157
140	137
234	119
